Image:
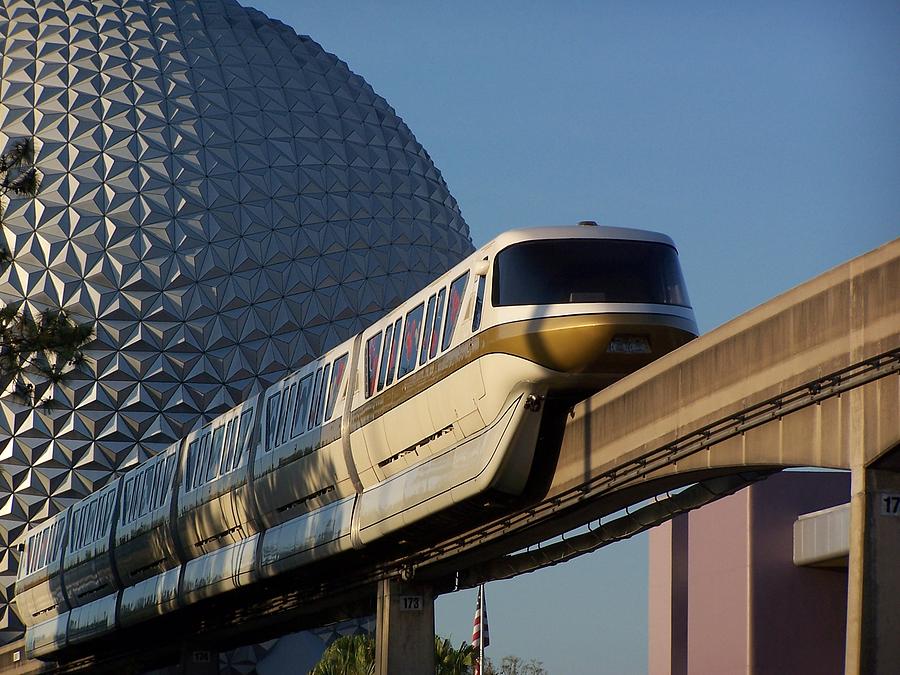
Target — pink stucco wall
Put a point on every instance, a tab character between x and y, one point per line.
718	612
745	609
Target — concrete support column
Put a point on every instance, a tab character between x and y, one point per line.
873	601
404	630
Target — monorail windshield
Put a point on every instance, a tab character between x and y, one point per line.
588	270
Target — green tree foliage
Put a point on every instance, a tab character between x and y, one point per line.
19	176
348	655
35	352
38	352
355	655
451	661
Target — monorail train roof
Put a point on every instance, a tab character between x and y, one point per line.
578	232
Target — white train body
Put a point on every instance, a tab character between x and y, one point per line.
435	408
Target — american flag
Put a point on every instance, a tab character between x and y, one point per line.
481	636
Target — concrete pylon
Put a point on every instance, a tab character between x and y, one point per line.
873	602
404	629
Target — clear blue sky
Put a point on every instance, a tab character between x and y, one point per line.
764	137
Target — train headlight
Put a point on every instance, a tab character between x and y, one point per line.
629	344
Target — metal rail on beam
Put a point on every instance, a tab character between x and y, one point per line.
635	522
810	393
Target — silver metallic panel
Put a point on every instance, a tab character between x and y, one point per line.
150	597
223	570
39	591
93	619
307	538
144	543
88	563
47	636
222	197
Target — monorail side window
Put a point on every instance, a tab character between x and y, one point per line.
272	408
560	271
203	459
373	351
457	289
286	410
385	356
76	524
410	347
479	304
320	406
230	438
426	338
167	478
107	511
337	379
193	454
28	564
302	407
155	480
395	351
244	436
436	332
58	531
127	501
45	542
217	448
314	400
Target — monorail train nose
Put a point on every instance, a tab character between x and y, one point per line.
592	344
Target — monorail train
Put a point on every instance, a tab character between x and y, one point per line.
436	407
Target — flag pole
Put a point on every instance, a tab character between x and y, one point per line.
481	622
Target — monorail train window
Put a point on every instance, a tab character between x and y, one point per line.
104	513
37	562
34	554
286	411
426	338
58	532
144	485
202	458
410	346
320	406
28	564
314	400
337	379
79	531
76	525
302	407
436	332
154	480
385	355
230	437
373	351
217	448
45	543
244	437
588	270
192	458
273	407
395	351
479	304
457	289
127	489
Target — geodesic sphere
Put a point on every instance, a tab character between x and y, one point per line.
223	199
